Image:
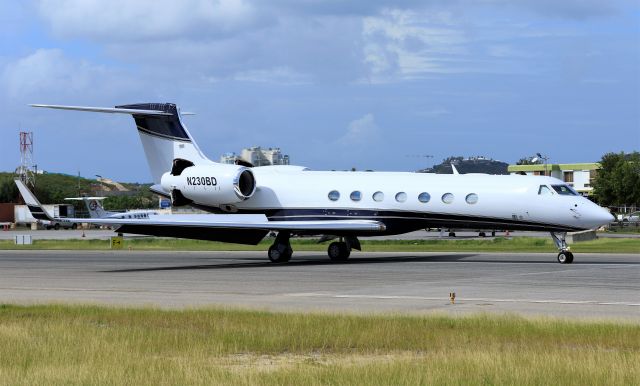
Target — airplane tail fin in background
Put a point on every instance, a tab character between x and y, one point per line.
93	205
164	137
36	209
95	208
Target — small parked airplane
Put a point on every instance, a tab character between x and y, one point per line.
295	200
96	210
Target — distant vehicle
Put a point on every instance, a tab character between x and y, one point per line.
632	217
49	224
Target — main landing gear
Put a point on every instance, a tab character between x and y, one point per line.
565	256
338	251
280	251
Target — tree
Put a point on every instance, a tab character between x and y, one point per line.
8	190
618	181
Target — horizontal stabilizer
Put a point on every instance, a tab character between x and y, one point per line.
112	110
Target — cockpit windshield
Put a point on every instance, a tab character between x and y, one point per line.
564	190
544	190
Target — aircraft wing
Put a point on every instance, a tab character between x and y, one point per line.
235	228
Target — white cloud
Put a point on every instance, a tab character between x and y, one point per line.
403	44
49	71
361	131
280	75
434	112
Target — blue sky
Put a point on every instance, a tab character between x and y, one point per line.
366	84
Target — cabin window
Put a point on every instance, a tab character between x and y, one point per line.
334	195
356	195
424	197
447	198
471	198
564	190
401	196
378	196
544	190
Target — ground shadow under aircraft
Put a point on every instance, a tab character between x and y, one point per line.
307	261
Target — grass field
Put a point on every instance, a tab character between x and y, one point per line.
58	344
498	244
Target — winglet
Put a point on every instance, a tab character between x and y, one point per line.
36	209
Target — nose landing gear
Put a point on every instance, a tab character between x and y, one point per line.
565	256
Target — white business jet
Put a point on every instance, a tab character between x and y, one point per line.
254	201
96	210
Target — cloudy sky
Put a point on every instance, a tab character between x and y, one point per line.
367	84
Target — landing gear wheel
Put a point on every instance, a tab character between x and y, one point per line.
56	227
74	226
338	251
482	234
280	253
565	257
452	234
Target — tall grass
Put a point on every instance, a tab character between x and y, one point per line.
498	244
59	344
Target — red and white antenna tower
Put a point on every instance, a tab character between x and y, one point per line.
26	159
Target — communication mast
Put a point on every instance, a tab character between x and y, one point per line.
26	159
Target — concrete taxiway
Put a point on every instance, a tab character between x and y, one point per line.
596	286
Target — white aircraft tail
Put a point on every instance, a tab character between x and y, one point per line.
164	137
36	209
93	205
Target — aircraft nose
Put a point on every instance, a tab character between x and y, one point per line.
600	216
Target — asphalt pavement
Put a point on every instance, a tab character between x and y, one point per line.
595	286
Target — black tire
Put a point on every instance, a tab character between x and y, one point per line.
56	227
280	253
493	233
74	226
338	251
482	234
452	234
565	257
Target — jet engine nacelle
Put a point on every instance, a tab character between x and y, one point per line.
213	185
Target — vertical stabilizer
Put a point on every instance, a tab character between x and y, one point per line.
164	137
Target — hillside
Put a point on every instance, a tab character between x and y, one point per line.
52	188
468	165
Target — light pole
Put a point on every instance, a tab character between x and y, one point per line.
544	158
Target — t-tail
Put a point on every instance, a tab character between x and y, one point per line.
36	209
94	206
164	136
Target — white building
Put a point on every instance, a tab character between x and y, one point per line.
258	156
580	175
